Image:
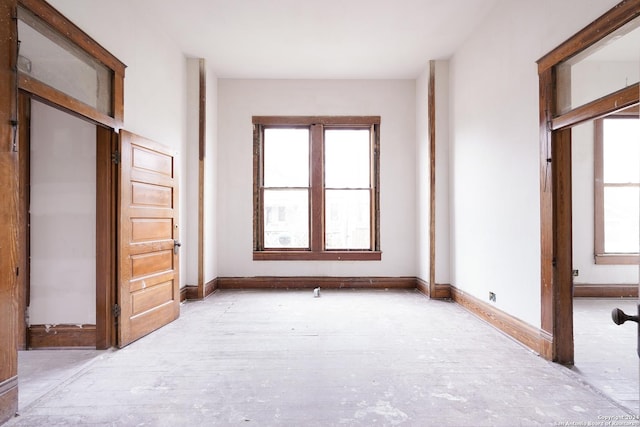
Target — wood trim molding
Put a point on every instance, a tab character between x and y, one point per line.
608	104
585	290
438	291
284	255
310	282
24	176
62	25
624	12
9	211
202	145
192	292
8	398
185	291
562	263
534	338
431	113
62	336
106	214
55	98
442	291
315	120
8	384
423	287
210	287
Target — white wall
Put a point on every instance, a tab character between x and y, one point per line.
192	177
423	190
211	180
441	83
443	234
63	218
582	158
393	100
155	81
495	208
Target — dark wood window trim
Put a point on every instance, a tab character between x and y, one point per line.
316	250
600	256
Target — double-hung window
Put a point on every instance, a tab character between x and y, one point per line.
617	189
316	188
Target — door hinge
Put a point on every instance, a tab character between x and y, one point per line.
116	310
115	157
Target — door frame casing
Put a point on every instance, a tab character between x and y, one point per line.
106	183
106	192
555	177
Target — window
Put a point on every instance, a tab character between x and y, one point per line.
617	189
316	188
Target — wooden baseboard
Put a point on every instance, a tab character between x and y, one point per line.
191	292
534	338
441	291
310	282
8	399
184	292
605	291
210	287
62	336
423	287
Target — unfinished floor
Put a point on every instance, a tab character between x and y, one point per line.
353	358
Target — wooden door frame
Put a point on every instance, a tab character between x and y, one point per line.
555	177
106	171
106	193
11	233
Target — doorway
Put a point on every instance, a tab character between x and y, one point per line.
590	58
67	215
62	229
602	355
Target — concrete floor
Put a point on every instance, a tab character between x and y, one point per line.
353	358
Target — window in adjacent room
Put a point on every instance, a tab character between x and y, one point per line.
316	191
617	188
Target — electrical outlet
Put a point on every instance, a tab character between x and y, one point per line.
576	273
492	296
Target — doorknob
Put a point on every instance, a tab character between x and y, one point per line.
176	246
619	317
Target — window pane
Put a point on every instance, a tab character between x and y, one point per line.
286	219
286	157
48	57
621	213
347	158
347	219
605	67
621	150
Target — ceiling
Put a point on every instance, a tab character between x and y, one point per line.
363	39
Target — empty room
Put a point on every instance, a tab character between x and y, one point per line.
421	212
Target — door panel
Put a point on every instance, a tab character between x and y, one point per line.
148	290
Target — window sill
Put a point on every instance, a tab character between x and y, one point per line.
617	259
317	256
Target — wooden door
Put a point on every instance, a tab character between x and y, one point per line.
148	285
